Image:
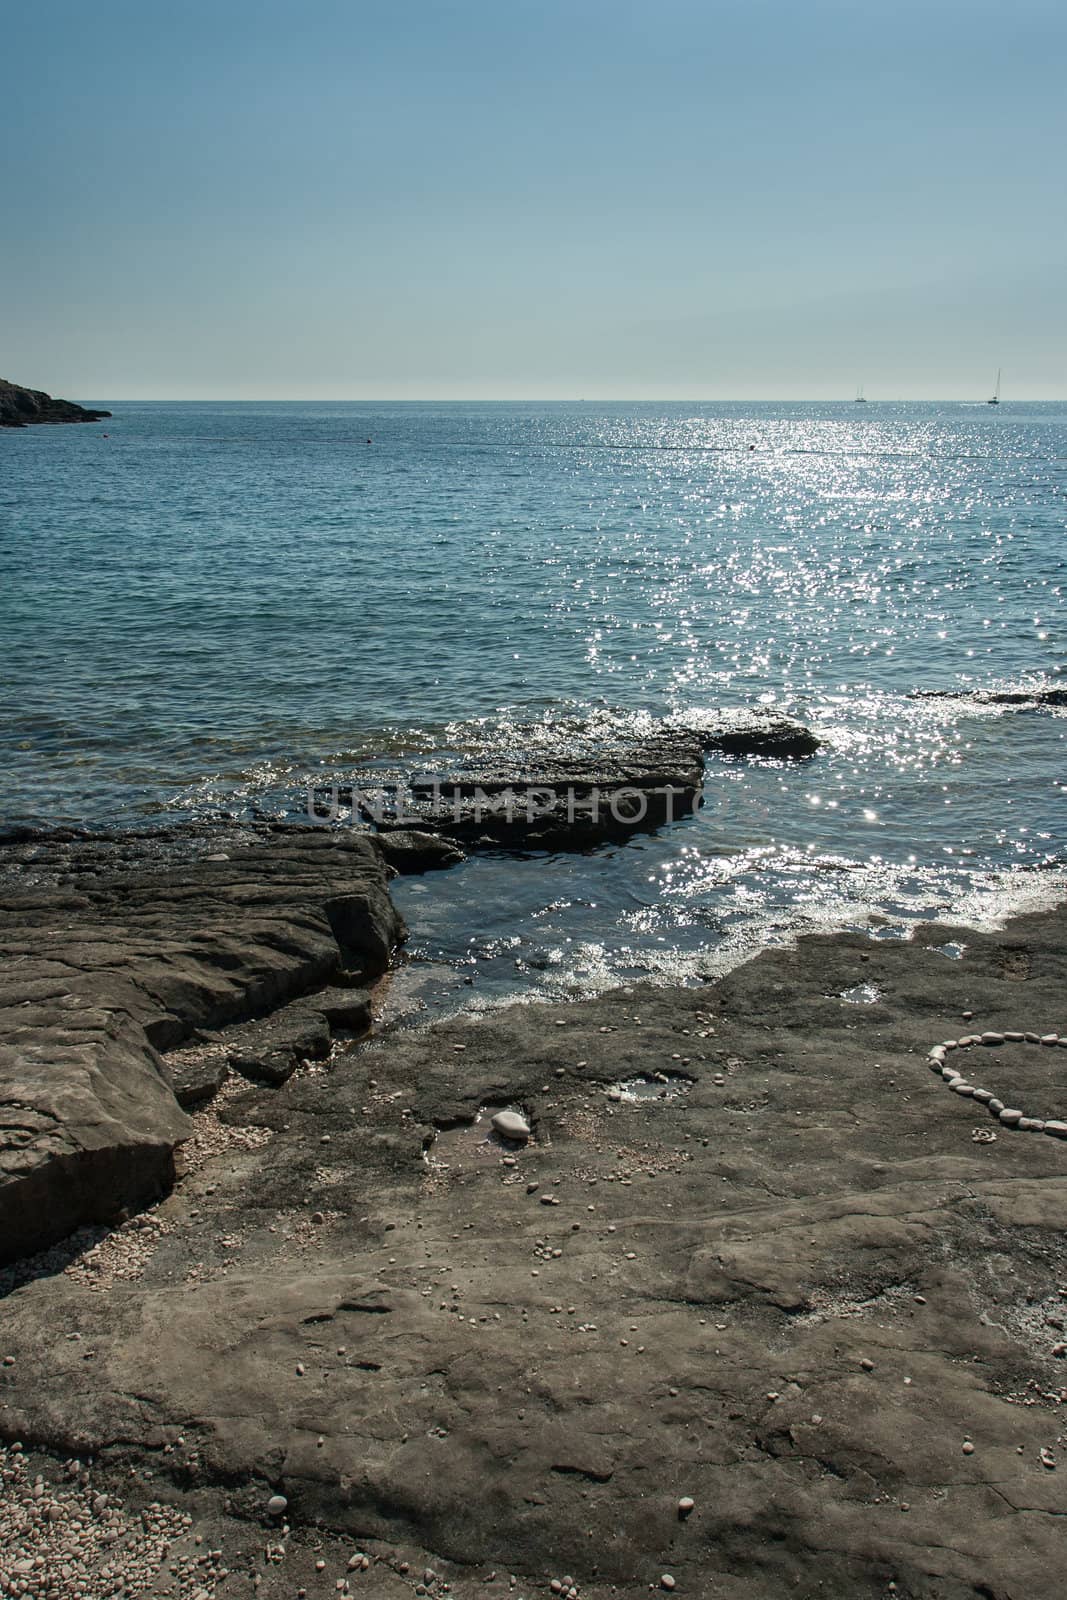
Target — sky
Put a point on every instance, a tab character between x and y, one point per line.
496	199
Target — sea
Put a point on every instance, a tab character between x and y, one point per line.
204	607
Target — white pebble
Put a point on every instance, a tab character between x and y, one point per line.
511	1126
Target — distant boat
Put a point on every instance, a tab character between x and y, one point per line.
994	400
861	398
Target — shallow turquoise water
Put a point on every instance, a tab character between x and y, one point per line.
215	600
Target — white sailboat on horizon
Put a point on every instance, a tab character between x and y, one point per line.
994	399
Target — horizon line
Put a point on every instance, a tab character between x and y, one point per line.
902	399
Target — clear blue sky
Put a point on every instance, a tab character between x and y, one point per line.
495	198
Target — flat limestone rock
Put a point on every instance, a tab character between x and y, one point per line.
585	789
113	949
270	1051
88	1119
197	1073
349	1009
789	1296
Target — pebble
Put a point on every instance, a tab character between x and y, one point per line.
686	1505
276	1505
511	1126
666	1582
968	1448
1009	1116
867	1364
1048	1460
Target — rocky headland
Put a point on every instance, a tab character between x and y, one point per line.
748	1296
19	407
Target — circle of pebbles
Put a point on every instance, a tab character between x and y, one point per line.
1008	1116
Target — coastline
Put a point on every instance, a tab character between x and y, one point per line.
795	1286
21	408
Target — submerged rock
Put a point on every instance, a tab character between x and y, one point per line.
583	790
413	851
1048	696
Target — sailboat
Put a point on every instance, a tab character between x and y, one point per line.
861	398
995	398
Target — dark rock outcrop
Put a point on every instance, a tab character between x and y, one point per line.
270	1050
1022	698
412	852
105	966
573	797
19	407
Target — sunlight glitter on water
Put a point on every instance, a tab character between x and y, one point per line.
232	599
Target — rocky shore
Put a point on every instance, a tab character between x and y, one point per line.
753	1303
19	407
104	965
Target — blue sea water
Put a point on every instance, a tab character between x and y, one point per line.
204	603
